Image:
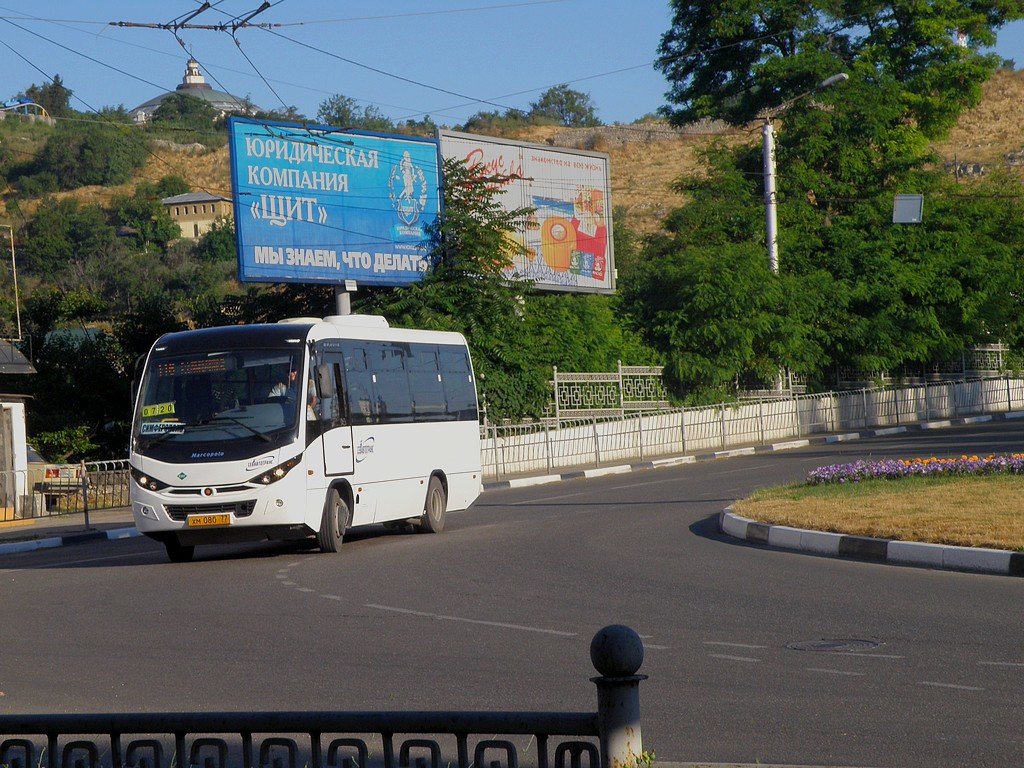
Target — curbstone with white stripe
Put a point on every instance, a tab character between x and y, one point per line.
886	431
32	545
942	556
916	553
976	559
17	547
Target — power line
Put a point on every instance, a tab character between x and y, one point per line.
379	71
83	55
417	13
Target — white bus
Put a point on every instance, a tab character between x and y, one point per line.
302	428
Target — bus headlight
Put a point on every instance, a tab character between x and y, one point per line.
147	482
275	474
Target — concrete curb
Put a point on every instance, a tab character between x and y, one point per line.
942	556
31	545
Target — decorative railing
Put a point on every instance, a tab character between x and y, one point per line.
628	389
607	738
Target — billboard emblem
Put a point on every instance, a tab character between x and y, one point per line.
402	190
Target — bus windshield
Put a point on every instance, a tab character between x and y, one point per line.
242	401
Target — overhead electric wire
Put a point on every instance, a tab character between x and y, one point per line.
386	17
380	71
220	67
83	55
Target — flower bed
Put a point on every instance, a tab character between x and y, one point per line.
893	469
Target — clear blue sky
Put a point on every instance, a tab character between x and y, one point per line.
503	51
499	51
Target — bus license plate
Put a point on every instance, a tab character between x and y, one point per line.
204	521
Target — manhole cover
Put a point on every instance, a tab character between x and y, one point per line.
835	645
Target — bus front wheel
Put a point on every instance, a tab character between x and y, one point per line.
178	552
432	520
333	523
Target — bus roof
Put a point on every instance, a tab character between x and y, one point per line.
297	330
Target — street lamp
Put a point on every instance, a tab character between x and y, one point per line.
14	275
768	144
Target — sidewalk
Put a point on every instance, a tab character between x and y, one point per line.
60	530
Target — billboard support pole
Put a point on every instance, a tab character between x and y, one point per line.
343	297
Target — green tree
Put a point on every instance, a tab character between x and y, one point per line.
185	111
218	244
735	60
143	218
53	96
345	112
77	155
62	237
853	289
497	123
565	106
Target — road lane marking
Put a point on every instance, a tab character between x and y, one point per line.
873	655
835	672
727	657
443	617
66	563
330	597
951	685
733	645
1002	663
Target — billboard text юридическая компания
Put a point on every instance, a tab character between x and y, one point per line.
314	204
568	239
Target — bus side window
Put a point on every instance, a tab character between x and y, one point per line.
425	382
390	382
358	387
458	383
332	393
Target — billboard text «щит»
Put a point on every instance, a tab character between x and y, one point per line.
317	205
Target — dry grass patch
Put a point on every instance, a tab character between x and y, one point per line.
965	511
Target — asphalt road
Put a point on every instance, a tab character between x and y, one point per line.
498	612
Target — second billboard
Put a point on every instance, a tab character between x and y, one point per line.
568	239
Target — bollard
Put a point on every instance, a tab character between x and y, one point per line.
85	492
617	653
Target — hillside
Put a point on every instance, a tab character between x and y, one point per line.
646	157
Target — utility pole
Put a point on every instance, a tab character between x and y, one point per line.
768	151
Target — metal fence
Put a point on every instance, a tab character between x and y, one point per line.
610	737
58	489
560	444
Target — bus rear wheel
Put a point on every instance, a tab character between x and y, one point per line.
432	520
178	552
333	523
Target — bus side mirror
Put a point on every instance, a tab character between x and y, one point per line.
324	380
137	378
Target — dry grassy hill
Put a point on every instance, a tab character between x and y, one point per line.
647	157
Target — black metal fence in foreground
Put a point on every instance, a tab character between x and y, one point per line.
610	737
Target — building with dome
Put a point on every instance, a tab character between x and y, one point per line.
194	84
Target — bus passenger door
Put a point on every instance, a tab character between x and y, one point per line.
339	452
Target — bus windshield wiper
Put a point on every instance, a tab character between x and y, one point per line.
242	424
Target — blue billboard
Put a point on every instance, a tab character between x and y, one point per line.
314	204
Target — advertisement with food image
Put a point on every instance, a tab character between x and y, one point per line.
567	239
